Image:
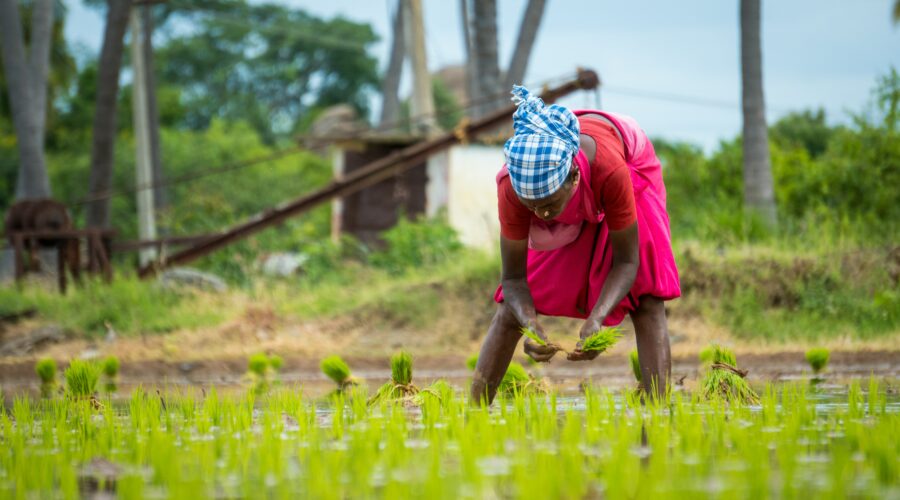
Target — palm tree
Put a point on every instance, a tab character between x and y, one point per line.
759	192
27	85
531	21
896	11
105	112
484	45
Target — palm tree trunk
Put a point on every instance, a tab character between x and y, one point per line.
390	87
160	198
487	70
759	192
471	80
32	181
531	21
39	57
103	145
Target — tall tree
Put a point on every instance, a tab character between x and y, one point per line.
159	192
103	144
759	192
531	21
390	86
26	81
487	69
896	14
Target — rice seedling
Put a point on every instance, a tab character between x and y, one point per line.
110	368
515	380
46	371
81	378
258	372
400	387
601	340
635	364
817	359
723	379
603	444
338	371
531	334
276	363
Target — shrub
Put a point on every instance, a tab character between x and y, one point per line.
420	243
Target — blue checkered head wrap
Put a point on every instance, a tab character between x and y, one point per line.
544	142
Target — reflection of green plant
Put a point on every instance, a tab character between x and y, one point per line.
635	364
817	359
81	378
601	340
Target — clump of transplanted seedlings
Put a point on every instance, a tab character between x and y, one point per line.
263	371
602	340
635	364
723	379
400	387
817	359
439	390
46	371
111	373
515	380
81	381
337	370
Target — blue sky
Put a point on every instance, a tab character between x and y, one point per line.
674	66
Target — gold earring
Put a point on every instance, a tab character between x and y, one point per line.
546	213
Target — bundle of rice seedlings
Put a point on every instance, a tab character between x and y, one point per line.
400	386
337	370
817	359
276	362
724	380
635	364
439	390
602	340
46	371
111	371
257	370
81	380
516	378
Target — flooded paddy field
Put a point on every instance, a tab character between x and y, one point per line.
838	438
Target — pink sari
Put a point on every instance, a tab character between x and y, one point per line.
570	256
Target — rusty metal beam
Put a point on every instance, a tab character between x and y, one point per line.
362	178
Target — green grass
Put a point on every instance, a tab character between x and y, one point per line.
602	444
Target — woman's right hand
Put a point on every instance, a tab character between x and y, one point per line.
539	353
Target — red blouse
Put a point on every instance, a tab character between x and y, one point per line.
610	182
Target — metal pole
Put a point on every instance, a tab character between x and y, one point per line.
143	161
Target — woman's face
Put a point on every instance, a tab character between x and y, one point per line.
550	207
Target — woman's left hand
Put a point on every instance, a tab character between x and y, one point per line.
591	326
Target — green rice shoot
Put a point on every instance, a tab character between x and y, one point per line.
635	364
531	334
817	359
258	364
602	340
276	363
46	371
335	368
111	367
400	387
81	378
724	381
401	368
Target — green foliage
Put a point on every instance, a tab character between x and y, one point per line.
268	65
111	367
336	369
635	364
46	370
601	340
425	242
817	359
81	378
258	364
401	368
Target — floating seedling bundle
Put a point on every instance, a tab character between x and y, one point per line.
723	379
400	387
337	370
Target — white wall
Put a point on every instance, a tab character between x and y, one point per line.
472	194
